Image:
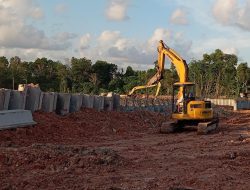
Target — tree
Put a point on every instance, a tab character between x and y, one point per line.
129	72
116	85
64	77
44	73
105	72
243	77
5	78
17	70
81	72
215	74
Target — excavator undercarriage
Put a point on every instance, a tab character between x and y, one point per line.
202	127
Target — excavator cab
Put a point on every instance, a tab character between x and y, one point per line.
185	106
182	94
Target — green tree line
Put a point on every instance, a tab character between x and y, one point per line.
216	74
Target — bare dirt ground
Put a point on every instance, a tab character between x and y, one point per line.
118	151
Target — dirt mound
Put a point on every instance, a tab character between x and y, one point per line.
81	127
112	150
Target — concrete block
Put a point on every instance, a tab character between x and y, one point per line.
75	102
15	118
88	101
17	99
49	102
116	102
55	101
4	99
63	103
242	104
41	101
33	98
108	104
99	103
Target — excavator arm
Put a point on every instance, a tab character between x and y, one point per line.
179	63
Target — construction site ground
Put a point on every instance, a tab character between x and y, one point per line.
118	151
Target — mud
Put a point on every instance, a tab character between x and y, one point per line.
118	151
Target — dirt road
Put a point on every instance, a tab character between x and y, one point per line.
118	151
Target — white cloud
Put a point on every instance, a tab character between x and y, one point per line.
109	36
85	41
233	12
117	10
231	50
179	16
24	8
121	43
61	8
33	54
113	47
16	33
237	44
159	34
225	11
64	36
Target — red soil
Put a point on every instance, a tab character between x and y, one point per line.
112	150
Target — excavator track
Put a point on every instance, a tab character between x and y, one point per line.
204	128
169	127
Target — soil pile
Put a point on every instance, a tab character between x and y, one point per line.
113	150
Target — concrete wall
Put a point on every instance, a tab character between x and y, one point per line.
63	103
75	102
242	104
88	101
17	99
236	104
4	99
30	97
99	103
150	104
33	98
49	101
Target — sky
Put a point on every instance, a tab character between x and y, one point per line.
123	32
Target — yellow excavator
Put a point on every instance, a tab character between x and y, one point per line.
186	109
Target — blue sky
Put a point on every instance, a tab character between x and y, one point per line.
124	32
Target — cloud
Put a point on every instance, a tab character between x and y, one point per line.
109	36
33	54
64	36
113	47
225	11
85	41
117	10
232	13
179	16
159	34
61	8
24	8
16	33
231	50
237	44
